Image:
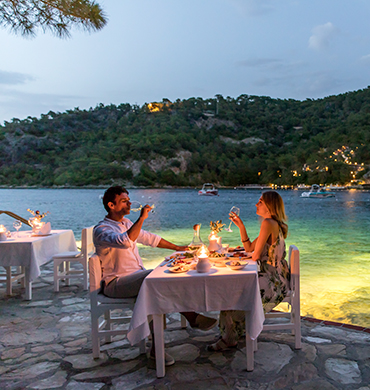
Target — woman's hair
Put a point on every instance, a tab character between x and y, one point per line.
275	205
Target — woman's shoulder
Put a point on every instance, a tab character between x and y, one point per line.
270	222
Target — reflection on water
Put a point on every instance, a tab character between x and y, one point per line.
331	234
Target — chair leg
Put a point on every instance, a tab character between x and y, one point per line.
56	276
85	277
142	347
8	280
95	336
23	272
108	326
68	266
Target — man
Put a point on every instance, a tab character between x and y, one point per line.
115	241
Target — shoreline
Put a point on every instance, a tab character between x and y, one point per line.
132	187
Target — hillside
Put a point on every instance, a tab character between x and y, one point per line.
250	139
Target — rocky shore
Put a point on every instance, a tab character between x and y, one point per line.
46	344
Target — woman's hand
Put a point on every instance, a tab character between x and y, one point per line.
236	219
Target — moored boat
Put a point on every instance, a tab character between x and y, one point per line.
317	192
208	189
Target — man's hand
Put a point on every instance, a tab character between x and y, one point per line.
181	248
145	211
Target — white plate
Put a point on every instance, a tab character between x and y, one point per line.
178	270
236	267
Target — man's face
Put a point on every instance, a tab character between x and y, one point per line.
121	204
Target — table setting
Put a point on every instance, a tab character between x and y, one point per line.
196	280
32	249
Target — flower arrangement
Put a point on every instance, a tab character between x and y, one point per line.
35	220
37	214
216	227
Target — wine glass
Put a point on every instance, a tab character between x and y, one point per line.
17	225
136	206
235	210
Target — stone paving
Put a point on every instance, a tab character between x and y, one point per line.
45	344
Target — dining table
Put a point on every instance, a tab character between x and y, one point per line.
218	289
31	251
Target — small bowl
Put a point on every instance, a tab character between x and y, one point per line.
236	267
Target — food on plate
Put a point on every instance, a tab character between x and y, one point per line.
215	255
238	254
180	262
188	254
180	268
236	265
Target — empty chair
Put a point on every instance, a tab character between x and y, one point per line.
12	275
102	305
62	269
293	299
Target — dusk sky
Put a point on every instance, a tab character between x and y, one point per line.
192	48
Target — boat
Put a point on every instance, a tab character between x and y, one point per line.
208	189
317	192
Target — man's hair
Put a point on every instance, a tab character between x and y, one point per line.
110	195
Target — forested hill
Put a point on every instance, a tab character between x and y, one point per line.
250	139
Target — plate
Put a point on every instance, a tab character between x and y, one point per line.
180	255
237	249
236	267
40	235
179	269
218	261
178	262
240	255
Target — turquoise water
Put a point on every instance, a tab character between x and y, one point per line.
331	234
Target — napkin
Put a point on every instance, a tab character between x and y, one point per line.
46	229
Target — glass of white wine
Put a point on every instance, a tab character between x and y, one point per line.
235	210
17	225
137	206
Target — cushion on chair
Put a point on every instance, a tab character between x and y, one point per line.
67	254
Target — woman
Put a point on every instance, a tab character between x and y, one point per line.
273	275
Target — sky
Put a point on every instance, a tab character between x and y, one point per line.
178	49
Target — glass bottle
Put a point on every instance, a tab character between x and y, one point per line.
196	242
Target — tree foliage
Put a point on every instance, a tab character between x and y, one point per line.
247	140
58	16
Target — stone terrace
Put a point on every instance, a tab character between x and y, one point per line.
46	344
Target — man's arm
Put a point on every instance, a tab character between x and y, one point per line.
168	245
134	231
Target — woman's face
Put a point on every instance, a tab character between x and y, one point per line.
262	209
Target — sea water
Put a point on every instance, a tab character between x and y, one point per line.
331	234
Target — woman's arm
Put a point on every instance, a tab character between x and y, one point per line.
247	243
267	229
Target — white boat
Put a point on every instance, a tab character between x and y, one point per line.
208	189
317	192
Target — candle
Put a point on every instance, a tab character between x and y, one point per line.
3	236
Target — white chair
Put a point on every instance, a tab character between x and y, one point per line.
102	305
62	269
293	300
9	277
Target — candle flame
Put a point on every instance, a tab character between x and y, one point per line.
203	252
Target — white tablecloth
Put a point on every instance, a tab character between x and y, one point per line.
219	289
32	252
